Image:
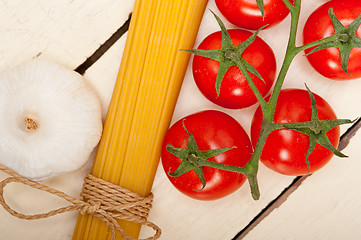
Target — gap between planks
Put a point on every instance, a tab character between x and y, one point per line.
282	197
81	69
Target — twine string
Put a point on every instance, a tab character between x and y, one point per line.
104	200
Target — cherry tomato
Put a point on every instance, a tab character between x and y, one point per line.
211	130
246	14
285	150
319	25
235	92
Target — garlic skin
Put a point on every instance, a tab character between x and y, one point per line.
50	120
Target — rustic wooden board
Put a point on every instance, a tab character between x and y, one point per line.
70	31
325	206
67	32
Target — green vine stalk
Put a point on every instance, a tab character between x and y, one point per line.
316	129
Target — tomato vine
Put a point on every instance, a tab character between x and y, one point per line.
315	129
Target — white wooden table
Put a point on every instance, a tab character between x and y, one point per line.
325	205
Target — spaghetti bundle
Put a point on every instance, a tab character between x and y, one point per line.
146	90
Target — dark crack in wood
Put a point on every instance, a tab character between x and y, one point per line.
346	137
282	197
103	48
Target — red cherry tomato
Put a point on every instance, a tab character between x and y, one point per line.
246	14
235	92
319	25
211	130
285	150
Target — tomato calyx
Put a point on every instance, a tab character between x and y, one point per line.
345	39
316	129
230	55
260	4
192	158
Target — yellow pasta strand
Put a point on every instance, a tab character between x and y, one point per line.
146	90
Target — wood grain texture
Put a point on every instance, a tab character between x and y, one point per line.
67	32
325	206
345	141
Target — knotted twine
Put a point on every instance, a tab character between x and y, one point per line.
102	199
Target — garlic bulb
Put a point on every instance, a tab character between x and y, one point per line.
50	120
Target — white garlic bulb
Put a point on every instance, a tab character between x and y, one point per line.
50	120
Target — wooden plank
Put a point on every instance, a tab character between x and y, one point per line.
277	202
325	206
67	32
178	216
30	201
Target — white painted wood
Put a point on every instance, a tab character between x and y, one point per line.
70	31
25	200
102	75
325	207
67	31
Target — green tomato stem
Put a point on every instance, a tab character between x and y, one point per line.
250	170
206	163
289	5
252	166
236	59
318	42
268	109
291	52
